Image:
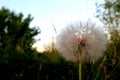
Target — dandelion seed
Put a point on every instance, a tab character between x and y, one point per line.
90	39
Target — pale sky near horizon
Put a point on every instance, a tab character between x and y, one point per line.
49	13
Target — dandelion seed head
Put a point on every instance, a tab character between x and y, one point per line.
90	39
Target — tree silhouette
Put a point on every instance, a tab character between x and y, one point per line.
17	58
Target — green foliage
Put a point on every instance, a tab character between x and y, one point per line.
17	59
62	70
55	67
109	13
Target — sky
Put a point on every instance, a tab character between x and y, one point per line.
50	14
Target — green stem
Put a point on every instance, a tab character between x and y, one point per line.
80	68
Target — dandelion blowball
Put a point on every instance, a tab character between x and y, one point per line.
86	37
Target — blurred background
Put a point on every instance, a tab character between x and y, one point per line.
28	31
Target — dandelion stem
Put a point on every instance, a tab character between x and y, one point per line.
80	65
80	69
